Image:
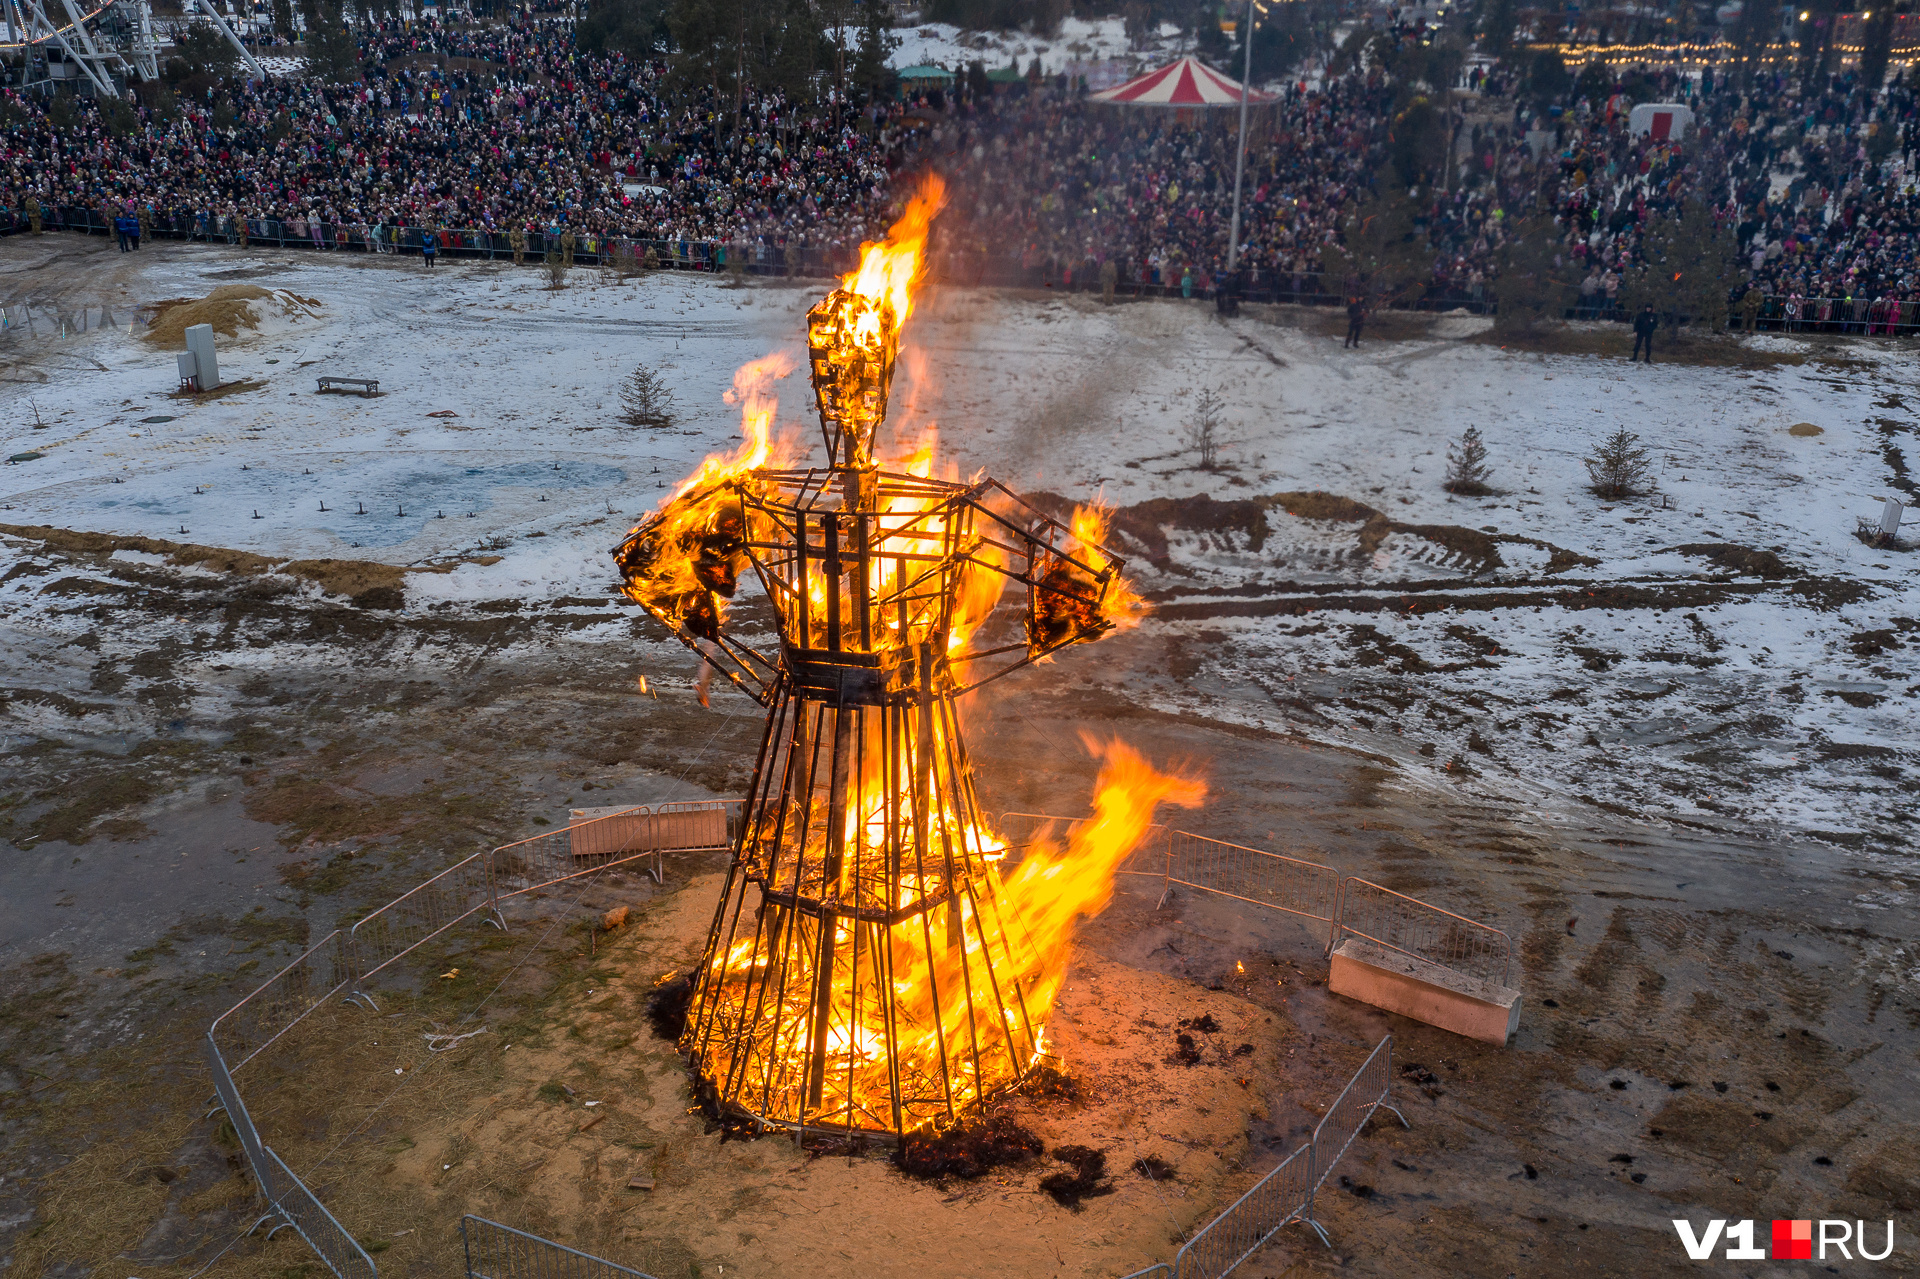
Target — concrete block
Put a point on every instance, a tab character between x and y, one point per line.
200	342
1426	992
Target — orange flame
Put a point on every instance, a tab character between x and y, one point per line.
759	400
683	564
1121	606
890	268
982	972
1056	885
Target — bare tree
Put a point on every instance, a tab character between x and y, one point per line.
646	400
556	269
1619	466
1467	468
1203	430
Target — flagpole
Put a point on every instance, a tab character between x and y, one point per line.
1240	161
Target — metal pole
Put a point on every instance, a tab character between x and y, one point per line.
1240	163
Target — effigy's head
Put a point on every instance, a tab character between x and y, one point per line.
853	334
852	341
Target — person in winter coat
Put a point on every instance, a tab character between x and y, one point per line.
1643	326
1356	318
428	247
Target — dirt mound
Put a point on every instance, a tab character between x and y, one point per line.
1740	559
1145	524
229	309
368	583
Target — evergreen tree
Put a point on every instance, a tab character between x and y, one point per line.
1467	468
200	56
1496	25
1690	268
1548	79
1385	247
1878	46
646	400
1619	466
633	27
1752	35
283	19
333	55
876	44
1417	141
1532	284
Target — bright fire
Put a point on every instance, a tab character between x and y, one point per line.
875	962
890	268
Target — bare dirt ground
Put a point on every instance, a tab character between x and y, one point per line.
1718	1022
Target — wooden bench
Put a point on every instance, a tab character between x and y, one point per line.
366	385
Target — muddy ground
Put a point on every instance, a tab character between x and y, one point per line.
1718	1022
1713	1027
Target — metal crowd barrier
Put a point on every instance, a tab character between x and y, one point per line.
289	1201
1278	1199
494	1251
1285	1195
1365	1093
1253	875
1250	875
1414	928
582	848
420	914
1023	830
300	1208
250	1026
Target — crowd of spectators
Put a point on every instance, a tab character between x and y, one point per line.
509	125
496	128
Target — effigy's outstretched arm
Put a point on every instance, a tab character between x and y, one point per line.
683	564
1075	589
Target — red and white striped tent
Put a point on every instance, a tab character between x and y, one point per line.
1187	82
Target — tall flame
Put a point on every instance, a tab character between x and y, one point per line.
1121	606
754	391
1057	884
890	268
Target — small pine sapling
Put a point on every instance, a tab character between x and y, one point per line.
1203	430
646	399
1619	466
1467	468
556	269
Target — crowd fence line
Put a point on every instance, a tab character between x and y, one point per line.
1778	312
342	963
1285	1195
1349	906
1409	926
494	1251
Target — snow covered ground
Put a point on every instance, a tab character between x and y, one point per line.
1726	655
1095	47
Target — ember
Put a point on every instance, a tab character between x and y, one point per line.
870	966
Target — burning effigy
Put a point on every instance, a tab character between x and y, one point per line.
874	963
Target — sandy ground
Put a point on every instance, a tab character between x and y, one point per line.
1688	803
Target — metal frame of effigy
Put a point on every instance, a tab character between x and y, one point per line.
863	970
